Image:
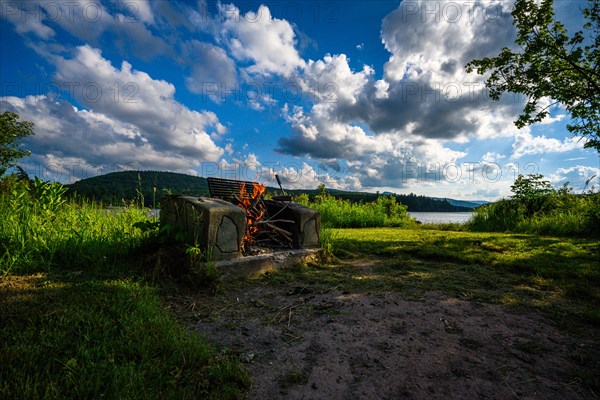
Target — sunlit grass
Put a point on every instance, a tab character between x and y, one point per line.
558	213
340	213
76	235
559	276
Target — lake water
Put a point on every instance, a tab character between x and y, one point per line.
424	217
441	217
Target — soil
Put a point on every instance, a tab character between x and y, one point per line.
301	343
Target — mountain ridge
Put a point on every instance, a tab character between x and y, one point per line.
464	203
126	186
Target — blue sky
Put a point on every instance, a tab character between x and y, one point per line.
358	95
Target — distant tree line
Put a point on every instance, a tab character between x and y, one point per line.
148	187
412	201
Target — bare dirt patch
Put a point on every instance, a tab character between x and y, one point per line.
302	343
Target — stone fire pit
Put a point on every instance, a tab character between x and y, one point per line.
214	225
218	227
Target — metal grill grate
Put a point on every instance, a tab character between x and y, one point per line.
227	188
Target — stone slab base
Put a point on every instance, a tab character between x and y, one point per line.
252	265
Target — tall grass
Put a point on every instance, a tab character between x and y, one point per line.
340	213
555	213
41	231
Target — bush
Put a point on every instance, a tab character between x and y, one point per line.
536	208
339	213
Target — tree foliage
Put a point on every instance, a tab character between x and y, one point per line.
530	186
532	193
11	131
552	64
537	207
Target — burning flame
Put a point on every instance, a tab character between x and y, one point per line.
254	210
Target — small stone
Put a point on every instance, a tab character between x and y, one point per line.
314	386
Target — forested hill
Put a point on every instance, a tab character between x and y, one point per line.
117	187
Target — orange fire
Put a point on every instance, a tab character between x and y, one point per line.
254	210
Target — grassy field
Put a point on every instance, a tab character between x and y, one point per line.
72	333
559	276
79	337
80	317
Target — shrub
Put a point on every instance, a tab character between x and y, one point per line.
538	208
339	213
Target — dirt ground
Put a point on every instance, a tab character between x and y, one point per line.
301	343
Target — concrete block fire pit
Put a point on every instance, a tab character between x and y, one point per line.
243	233
212	224
305	224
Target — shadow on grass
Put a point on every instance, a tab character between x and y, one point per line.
102	338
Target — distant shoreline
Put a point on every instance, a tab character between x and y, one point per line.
441	217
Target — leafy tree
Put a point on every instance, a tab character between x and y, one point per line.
11	131
321	193
530	186
550	64
533	194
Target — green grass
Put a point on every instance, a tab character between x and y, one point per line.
75	235
554	214
339	213
444	226
77	318
63	338
558	276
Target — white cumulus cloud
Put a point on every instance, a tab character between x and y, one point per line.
132	96
527	144
257	37
129	118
